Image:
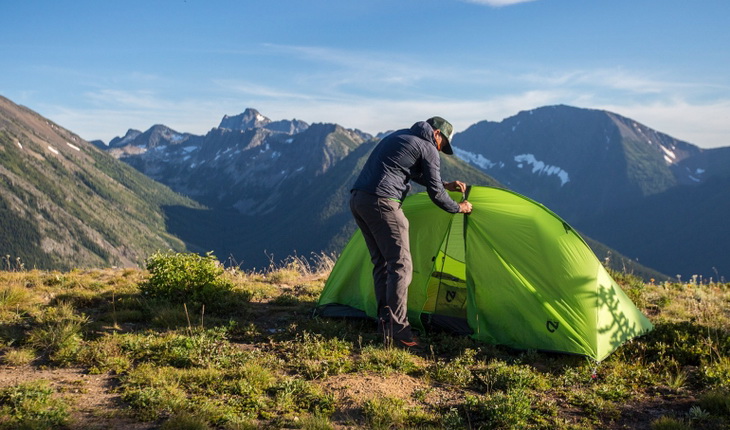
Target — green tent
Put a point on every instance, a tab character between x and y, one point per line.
510	273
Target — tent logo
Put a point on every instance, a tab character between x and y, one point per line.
450	296
552	326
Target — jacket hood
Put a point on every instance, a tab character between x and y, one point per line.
423	130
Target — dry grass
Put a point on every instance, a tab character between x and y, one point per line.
267	363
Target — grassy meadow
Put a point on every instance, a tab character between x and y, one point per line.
189	344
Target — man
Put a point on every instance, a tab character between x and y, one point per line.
405	155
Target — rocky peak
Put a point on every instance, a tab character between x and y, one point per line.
118	142
250	118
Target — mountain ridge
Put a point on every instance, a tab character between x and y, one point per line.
286	190
258	193
71	204
595	167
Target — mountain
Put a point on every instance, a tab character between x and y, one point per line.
64	203
271	192
251	119
272	188
624	184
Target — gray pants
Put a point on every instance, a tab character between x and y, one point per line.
385	229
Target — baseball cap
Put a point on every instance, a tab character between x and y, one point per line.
447	131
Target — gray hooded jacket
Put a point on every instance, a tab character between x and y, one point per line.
405	155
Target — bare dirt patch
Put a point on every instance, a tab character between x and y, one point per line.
352	391
91	398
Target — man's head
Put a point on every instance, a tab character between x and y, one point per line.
445	130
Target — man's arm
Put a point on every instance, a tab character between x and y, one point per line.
455	186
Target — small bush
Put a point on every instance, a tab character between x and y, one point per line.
457	371
500	376
31	406
13	296
296	395
58	333
385	413
153	391
669	423
185	421
716	402
501	410
19	357
717	373
386	360
186	278
286	299
199	348
105	354
317	357
316	422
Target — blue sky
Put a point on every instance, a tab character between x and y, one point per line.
101	67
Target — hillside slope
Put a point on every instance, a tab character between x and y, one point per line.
64	203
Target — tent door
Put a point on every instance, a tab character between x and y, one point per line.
447	294
446	289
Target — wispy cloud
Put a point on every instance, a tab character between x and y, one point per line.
349	68
376	92
258	90
614	79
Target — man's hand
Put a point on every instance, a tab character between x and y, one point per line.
455	186
465	207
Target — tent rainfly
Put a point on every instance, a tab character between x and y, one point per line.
510	273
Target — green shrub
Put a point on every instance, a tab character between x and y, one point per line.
105	354
31	406
386	360
500	376
198	348
316	422
685	342
13	297
58	333
716	402
185	421
287	299
501	410
669	423
317	357
186	278
717	372
385	413
296	395
457	371
19	356
153	391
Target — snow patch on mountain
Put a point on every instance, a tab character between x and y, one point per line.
176	138
669	156
541	168
475	159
